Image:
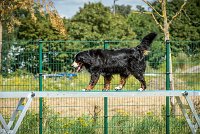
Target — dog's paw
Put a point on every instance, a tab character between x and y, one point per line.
118	88
140	89
86	90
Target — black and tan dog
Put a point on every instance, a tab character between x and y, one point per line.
124	62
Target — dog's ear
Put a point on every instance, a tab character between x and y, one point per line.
84	57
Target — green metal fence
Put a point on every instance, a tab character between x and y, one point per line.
46	66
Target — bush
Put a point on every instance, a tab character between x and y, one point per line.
180	61
157	55
51	122
148	123
30	124
121	123
82	125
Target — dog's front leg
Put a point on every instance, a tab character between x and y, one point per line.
141	78
107	80
122	83
143	84
93	80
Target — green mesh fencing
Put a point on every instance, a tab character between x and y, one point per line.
20	72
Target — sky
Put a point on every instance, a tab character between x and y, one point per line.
68	8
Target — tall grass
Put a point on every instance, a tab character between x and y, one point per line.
120	123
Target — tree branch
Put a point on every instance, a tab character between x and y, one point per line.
150	13
178	13
152	7
187	15
141	12
159	1
157	22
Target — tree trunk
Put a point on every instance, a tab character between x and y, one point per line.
1	33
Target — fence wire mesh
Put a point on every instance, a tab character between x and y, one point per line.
20	72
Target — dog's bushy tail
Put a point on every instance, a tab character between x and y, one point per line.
147	40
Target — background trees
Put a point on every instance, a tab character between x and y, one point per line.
96	22
40	29
142	24
187	25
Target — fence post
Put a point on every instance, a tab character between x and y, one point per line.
106	102
105	45
105	115
40	86
167	86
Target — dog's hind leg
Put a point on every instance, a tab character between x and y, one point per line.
122	82
141	78
107	80
93	80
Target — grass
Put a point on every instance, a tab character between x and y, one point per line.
120	123
31	83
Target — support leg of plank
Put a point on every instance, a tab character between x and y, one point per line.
20	107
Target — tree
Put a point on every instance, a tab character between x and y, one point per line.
96	22
164	21
123	10
140	8
55	18
7	15
31	21
141	24
41	29
119	29
190	29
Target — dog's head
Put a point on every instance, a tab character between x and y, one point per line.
81	59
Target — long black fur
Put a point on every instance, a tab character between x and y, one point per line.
124	62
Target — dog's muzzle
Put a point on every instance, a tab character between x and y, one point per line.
78	66
74	64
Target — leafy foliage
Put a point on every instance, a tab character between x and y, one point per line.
142	24
187	26
96	22
123	10
119	123
41	29
157	55
7	8
82	125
